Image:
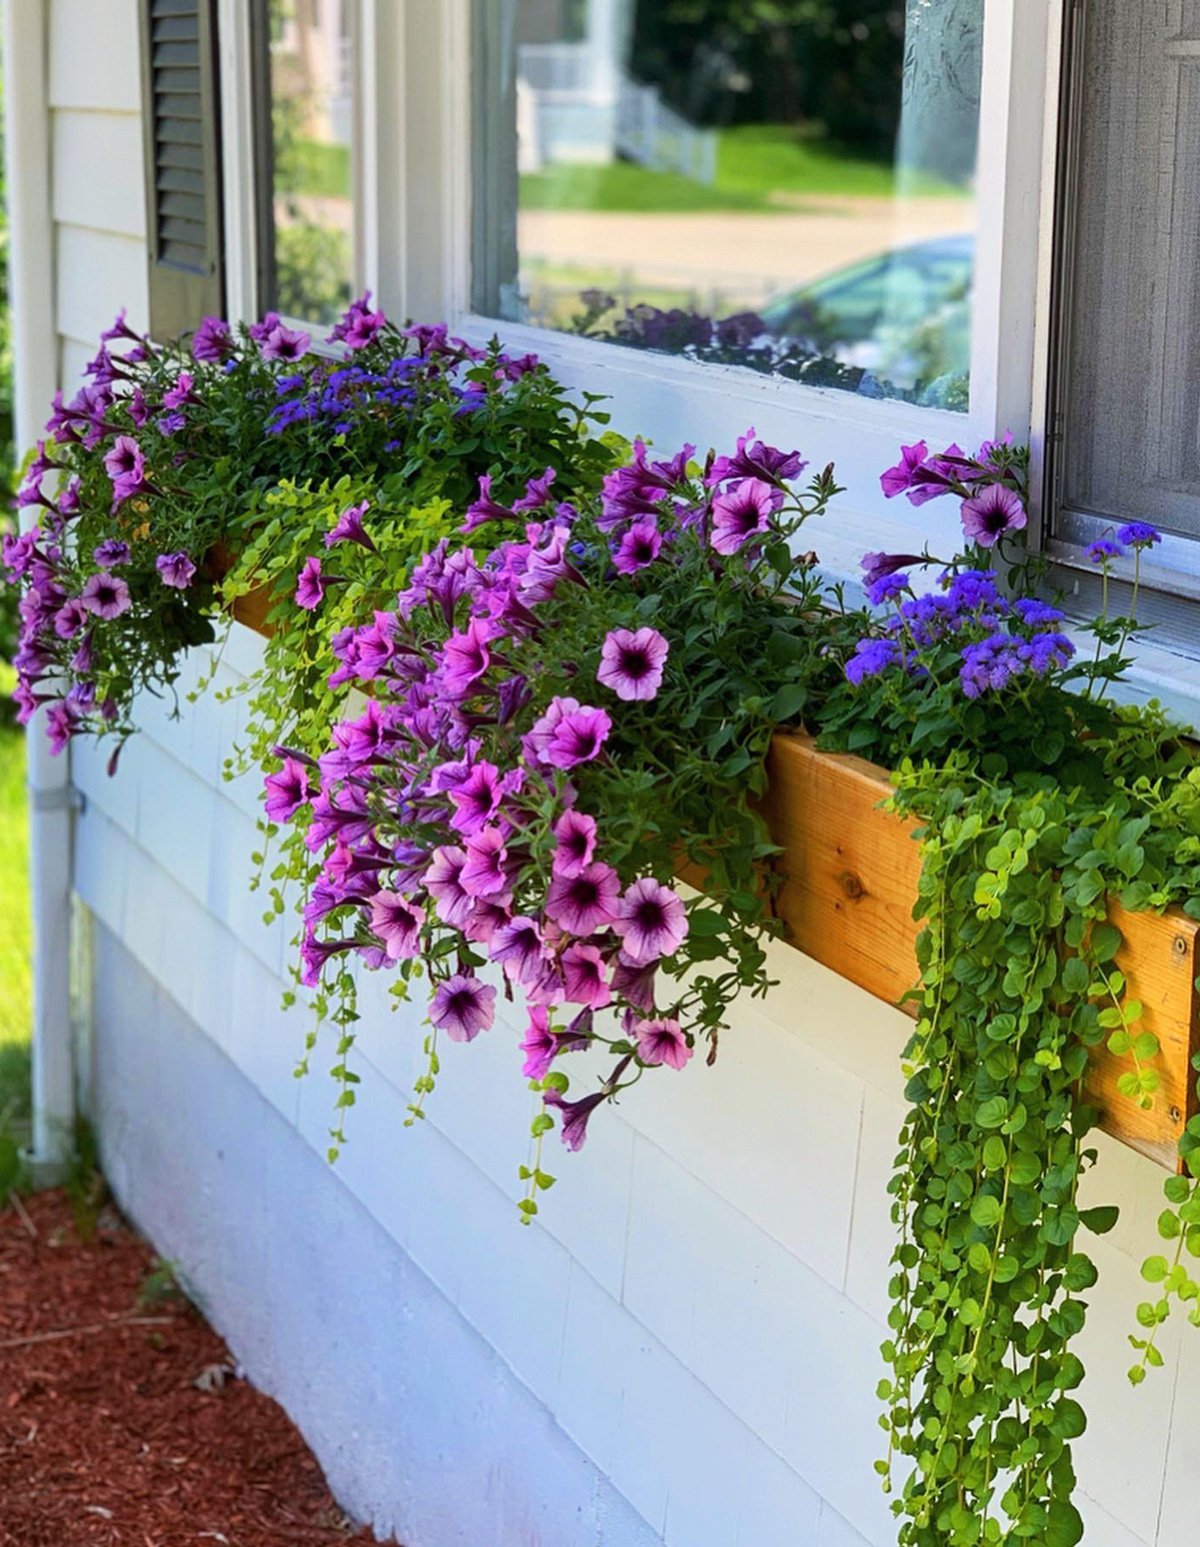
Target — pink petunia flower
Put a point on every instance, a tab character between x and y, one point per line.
310	587
651	921
568	733
398	924
583	977
576	835
287	790
988	515
584	903
483	875
743	511
462	1007
632	663
176	569
443	881
661	1042
105	596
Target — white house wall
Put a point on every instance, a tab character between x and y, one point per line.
684	1347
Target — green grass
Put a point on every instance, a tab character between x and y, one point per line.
319	170
760	167
15	987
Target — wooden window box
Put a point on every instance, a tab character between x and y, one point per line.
850	880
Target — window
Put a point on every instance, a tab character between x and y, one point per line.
1125	420
305	66
786	187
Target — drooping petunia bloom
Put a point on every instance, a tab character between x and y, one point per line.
584	981
478	797
443	881
105	596
988	515
539	1044
466	656
517	947
576	835
899	479
176	569
485	508
212	341
111	553
462	1007
662	1042
484	875
287	790
349	528
741	512
584	903
575	1115
754	459
397	922
651	921
310	586
632	663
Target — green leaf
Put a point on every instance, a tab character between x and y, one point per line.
1099	1220
986	1210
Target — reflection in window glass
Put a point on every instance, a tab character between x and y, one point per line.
788	187
310	258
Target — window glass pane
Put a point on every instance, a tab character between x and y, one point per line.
782	184
1131	400
309	265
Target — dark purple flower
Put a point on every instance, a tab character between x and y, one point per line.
479	796
991	513
105	595
397	922
638	547
877	566
485	508
212	341
310	587
462	1007
70	618
181	392
537	492
632	663
584	903
61	725
576	835
287	790
1139	534
742	511
661	1042
349	528
651	922
757	460
176	569
111	553
575	1115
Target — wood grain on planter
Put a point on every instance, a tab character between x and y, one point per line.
850	880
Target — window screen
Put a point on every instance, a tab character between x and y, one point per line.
1127	415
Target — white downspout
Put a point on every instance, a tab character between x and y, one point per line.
35	363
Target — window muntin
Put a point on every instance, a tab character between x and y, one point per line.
1126	419
307	204
663	175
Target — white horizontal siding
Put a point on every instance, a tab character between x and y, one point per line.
94	60
97	172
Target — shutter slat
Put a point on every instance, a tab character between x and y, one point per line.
174	29
176	79
173	204
179	180
179	131
185	55
176	104
189	231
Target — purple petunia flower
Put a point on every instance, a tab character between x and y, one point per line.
743	511
359	325
284	343
485	508
876	566
568	733
576	835
899	479
990	514
479	796
651	921
757	461
126	466
484	875
443	881
212	341
575	1115
176	569
349	528
397	922
516	945
632	663
462	1007
537	492
662	1042
70	618
287	790
584	903
465	657
1139	534
583	977
540	1045
1103	550
310	587
638	547
111	553
106	596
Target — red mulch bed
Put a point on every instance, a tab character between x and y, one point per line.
138	1434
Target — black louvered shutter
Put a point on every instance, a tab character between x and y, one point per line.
183	165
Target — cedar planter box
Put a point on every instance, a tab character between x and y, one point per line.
850	880
850	872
